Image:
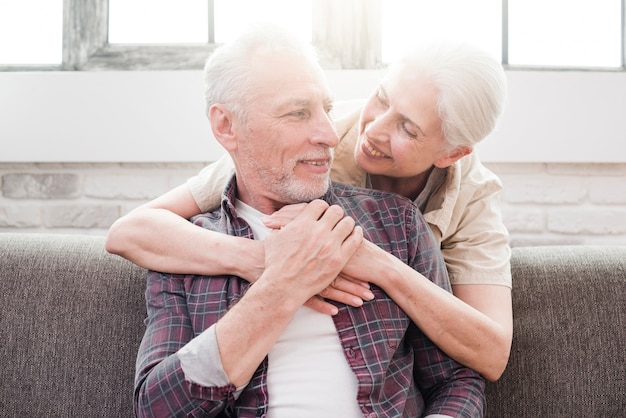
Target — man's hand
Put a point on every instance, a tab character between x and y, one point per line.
301	260
305	256
342	289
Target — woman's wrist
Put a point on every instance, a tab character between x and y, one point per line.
248	260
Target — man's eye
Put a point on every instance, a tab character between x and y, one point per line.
299	113
381	99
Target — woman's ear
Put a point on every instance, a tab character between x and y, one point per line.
451	157
223	126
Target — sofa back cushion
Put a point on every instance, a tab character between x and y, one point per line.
71	322
568	357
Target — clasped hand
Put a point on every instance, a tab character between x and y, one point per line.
312	243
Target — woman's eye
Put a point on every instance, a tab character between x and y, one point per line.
408	132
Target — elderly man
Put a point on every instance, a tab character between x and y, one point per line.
218	346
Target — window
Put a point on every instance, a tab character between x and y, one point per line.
478	22
38	25
293	15
565	33
193	21
180	34
158	21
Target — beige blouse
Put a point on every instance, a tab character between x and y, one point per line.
464	214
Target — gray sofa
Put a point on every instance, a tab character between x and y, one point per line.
72	318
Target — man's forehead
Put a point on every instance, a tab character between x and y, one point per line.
303	92
291	80
305	101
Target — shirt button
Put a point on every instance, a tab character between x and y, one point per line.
350	352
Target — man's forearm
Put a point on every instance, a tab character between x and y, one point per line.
462	396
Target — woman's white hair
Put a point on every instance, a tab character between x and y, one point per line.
472	88
227	76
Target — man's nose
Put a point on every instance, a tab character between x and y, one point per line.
324	131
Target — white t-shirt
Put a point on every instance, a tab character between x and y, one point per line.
308	374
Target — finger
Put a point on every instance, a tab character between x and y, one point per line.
284	215
341	297
355	287
332	216
352	242
320	305
356	281
314	210
345	226
334	220
276	221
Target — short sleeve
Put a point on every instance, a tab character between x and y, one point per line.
207	186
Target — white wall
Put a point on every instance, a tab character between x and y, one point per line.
150	116
542	203
79	149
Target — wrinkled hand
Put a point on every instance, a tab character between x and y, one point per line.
305	256
369	262
283	216
342	289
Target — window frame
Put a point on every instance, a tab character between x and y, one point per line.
86	47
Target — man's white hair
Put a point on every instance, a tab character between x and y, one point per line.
227	76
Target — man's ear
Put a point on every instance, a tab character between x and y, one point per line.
451	157
223	125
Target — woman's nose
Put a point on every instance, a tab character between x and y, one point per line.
378	128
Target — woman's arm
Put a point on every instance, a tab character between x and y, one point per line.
474	326
158	236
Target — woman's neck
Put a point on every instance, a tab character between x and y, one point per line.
409	187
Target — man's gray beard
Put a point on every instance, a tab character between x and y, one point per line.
284	183
296	192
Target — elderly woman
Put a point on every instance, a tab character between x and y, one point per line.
415	137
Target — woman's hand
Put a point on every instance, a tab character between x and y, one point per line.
372	263
343	289
284	215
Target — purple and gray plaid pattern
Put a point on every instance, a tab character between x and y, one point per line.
400	372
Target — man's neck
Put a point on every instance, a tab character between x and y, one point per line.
260	203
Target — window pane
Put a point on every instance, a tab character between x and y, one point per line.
574	33
406	23
232	16
31	32
158	21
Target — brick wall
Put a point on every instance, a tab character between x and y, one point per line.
542	203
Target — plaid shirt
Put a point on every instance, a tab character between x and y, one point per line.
400	372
